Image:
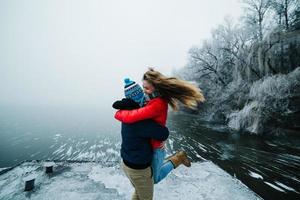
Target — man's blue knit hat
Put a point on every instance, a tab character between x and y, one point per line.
133	91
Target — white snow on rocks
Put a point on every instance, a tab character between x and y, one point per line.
203	181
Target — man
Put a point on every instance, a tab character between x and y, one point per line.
136	150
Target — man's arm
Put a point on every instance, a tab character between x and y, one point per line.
153	130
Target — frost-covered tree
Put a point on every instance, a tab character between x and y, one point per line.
231	65
216	59
283	10
207	62
256	11
258	14
295	16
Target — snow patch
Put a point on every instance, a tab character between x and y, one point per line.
255	175
203	181
285	187
274	186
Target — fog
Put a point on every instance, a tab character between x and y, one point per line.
76	53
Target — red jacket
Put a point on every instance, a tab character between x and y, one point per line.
156	109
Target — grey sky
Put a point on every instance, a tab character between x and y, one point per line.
59	52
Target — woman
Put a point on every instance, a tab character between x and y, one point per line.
162	91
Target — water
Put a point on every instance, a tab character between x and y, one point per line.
58	133
269	166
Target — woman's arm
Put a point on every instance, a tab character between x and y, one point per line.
150	111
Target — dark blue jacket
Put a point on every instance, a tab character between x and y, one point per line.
136	150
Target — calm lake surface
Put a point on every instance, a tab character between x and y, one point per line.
270	166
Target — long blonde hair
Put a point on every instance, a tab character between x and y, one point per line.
174	90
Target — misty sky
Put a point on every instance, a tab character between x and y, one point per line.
60	52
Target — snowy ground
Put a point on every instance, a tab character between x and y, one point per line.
203	180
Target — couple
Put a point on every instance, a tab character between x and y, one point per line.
143	115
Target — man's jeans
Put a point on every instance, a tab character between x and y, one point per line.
142	182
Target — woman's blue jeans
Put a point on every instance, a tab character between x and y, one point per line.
160	168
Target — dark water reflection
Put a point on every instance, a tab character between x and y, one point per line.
268	165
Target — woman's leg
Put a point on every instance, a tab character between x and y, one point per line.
160	169
142	182
157	162
165	170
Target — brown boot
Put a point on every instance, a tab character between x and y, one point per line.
180	158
